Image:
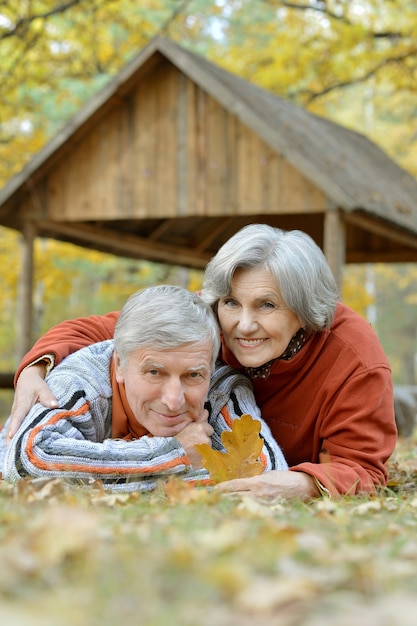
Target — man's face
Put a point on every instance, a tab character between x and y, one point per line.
167	389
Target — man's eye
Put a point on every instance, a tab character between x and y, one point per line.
153	372
198	377
194	375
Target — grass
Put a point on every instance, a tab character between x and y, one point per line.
73	555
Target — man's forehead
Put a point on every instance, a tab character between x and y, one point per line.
189	355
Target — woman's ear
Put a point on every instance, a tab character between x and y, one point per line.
118	368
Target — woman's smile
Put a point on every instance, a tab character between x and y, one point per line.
250	343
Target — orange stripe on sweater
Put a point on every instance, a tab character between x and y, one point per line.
227	418
90	469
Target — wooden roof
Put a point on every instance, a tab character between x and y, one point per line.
175	154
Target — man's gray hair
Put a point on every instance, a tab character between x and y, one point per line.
301	271
165	317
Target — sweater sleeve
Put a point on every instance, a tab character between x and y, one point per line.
74	442
230	396
358	436
69	336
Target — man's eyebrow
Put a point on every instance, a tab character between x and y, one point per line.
160	366
153	364
198	367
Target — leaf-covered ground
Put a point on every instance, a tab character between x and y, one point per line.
75	556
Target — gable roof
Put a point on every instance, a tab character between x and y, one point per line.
353	172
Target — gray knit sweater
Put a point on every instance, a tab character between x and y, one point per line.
74	441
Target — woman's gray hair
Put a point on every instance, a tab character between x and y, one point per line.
165	317
301	271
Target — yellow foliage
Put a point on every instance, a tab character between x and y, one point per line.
355	292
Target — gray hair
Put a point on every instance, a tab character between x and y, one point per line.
164	317
301	271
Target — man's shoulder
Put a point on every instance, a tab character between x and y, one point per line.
101	350
87	366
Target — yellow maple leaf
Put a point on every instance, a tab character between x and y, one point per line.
243	445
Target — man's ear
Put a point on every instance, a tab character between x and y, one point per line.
118	369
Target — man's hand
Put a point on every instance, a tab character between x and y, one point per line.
30	388
272	484
197	432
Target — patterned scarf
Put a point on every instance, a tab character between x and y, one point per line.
295	345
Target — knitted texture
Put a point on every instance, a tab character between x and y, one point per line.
74	441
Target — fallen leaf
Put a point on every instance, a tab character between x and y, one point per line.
112	499
264	594
243	445
178	491
366	507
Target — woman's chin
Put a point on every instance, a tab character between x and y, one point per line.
252	362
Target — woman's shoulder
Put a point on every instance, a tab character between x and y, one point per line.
354	332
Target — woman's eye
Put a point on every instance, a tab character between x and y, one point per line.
268	305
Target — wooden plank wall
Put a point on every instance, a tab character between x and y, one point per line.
170	150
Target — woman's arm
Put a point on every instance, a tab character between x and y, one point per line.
69	336
358	437
60	341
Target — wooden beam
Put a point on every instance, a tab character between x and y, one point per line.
25	290
212	233
381	256
161	229
389	231
124	244
334	243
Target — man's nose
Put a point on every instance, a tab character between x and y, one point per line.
173	394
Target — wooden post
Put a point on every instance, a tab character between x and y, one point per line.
25	290
334	243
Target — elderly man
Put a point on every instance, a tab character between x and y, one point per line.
132	409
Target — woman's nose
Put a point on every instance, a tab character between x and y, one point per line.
247	321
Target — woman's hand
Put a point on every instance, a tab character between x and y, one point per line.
272	484
30	388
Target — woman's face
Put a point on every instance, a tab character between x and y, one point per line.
257	326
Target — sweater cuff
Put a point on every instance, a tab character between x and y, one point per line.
322	489
48	359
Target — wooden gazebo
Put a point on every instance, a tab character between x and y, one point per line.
175	154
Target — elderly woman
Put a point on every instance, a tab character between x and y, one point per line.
132	409
320	375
